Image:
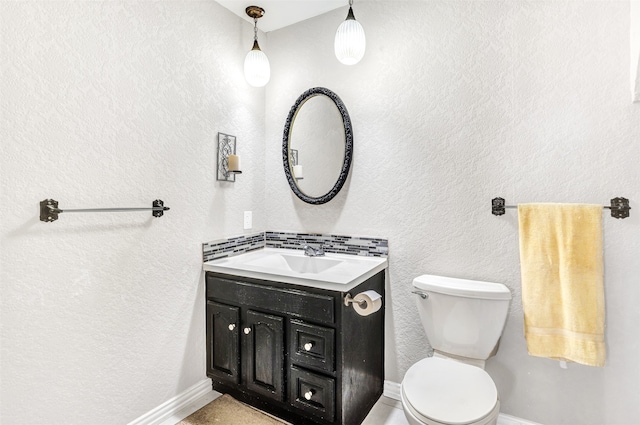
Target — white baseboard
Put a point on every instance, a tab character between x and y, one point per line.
505	419
392	390
166	409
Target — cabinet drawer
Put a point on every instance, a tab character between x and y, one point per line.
312	346
313	394
287	301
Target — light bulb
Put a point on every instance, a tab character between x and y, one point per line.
350	41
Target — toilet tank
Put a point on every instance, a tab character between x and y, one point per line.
462	317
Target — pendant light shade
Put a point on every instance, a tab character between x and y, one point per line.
257	71
350	41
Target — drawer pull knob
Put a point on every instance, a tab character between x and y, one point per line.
308	346
309	394
247	331
232	326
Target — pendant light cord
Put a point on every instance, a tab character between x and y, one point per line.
255	29
255	35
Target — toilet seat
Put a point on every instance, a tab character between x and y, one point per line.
445	391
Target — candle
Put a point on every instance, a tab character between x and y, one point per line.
234	164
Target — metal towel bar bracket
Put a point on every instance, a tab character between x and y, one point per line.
619	207
49	210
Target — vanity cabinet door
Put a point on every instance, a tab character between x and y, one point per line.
264	354
223	342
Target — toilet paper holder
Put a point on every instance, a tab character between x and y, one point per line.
348	299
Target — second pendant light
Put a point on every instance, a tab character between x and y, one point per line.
350	41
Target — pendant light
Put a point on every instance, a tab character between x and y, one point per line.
350	41
256	65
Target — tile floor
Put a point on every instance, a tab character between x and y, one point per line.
385	412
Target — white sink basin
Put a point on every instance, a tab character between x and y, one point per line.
296	263
331	271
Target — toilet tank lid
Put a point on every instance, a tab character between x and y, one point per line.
462	287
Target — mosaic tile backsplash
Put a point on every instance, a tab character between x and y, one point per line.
370	247
353	245
232	246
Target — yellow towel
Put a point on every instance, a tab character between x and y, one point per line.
562	281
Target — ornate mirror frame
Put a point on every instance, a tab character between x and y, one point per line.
348	149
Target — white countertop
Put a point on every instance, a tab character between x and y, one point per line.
336	272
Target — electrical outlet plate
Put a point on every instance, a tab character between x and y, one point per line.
248	220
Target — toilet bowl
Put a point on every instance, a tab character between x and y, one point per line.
463	320
437	391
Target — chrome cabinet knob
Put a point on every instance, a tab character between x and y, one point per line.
309	394
232	326
308	346
247	331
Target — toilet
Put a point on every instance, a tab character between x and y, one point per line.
463	320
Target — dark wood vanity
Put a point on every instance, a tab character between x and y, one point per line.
296	352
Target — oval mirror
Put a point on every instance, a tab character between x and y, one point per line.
317	146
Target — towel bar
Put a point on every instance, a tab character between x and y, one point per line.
619	207
49	209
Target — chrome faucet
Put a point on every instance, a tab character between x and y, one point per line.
313	252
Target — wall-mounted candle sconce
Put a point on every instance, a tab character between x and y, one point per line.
350	41
228	161
256	65
296	168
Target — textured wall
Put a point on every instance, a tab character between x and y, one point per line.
107	104
634	46
456	103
